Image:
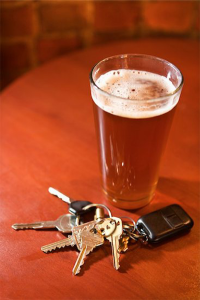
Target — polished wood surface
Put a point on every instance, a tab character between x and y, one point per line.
48	139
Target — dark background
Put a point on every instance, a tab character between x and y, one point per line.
33	32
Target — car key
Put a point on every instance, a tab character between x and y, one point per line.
75	206
164	223
64	223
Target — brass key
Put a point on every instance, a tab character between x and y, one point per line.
112	233
114	240
89	239
84	237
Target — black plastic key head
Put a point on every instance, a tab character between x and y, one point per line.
164	223
76	207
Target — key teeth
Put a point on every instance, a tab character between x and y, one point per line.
77	272
23	227
50	249
20	228
17	227
45	251
14	227
79	269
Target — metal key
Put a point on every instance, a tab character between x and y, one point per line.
123	243
59	244
88	236
112	229
75	206
90	239
114	240
64	223
72	240
84	237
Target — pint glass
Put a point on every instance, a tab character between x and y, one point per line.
134	99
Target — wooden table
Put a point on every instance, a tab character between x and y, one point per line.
48	139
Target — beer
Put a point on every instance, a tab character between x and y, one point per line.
132	133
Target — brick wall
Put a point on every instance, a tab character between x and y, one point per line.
33	32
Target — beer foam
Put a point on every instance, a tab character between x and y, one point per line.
136	88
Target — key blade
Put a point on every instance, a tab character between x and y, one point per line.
58	245
115	253
86	238
80	261
58	194
114	240
20	226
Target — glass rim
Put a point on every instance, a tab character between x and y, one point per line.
136	100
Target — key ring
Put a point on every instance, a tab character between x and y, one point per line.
126	217
98	205
133	232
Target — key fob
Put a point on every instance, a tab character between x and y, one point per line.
76	207
164	223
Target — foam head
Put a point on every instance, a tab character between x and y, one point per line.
130	93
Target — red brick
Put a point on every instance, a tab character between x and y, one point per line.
116	15
175	16
17	20
14	56
59	17
50	48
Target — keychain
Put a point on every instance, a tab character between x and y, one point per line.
151	228
160	225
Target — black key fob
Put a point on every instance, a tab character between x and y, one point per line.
76	207
164	223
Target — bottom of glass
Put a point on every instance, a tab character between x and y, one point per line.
129	204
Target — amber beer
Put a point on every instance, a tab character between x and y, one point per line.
133	115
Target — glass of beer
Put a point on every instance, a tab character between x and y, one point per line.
134	99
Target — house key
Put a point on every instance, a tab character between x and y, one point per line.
112	233
85	237
64	223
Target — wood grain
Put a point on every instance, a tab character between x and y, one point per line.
48	139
